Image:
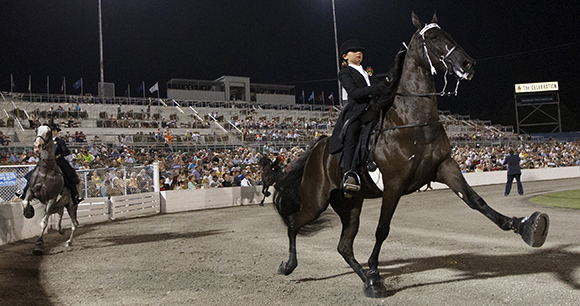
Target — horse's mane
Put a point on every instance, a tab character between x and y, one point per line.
385	101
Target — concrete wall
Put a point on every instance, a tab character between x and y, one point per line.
196	199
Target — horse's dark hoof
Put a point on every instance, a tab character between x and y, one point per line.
61	231
38	249
28	211
374	286
534	229
283	269
267	193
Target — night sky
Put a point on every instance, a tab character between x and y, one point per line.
290	43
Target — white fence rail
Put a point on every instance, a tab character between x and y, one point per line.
141	204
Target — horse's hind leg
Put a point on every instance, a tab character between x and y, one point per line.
533	229
60	229
295	222
350	218
311	208
72	212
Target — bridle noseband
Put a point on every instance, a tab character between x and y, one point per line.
441	59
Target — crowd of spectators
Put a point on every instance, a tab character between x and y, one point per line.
532	156
125	170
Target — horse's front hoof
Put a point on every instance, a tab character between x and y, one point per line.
38	249
534	229
61	231
374	286
28	211
284	269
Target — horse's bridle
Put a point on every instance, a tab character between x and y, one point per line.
441	58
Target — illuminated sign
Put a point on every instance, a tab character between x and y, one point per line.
535	87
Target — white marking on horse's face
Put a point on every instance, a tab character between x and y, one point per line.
44	132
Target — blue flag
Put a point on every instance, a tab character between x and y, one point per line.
311	97
78	84
140	88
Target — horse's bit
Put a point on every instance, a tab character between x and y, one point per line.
433	70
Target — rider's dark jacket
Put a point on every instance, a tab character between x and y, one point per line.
69	172
359	98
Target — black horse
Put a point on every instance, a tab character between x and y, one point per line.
412	149
47	185
271	171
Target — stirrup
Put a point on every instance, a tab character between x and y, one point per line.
350	187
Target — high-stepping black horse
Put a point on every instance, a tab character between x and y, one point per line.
412	149
47	185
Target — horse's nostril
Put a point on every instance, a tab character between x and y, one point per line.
468	63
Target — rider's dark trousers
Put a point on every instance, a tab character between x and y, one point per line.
350	143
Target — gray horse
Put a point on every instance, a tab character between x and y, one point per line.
47	185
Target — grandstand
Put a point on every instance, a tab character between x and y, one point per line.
213	123
196	123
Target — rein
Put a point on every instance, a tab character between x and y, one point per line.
442	59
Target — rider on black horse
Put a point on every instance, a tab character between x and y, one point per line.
69	174
361	88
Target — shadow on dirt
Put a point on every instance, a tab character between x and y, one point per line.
558	261
145	238
20	282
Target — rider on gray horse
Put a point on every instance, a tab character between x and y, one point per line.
70	176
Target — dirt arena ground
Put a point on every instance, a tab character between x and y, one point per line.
440	252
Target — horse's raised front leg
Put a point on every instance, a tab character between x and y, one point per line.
39	246
350	218
533	229
27	208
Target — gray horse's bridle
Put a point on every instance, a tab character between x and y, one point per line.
441	58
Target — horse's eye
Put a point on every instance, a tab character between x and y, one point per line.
434	37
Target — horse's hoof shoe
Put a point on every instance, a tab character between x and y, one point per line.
534	229
28	212
38	251
374	286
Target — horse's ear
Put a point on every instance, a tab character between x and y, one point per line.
416	21
434	20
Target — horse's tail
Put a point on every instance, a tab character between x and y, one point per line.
287	196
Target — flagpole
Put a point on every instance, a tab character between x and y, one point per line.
11	83
102	89
64	84
128	90
143	85
48	85
336	49
30	84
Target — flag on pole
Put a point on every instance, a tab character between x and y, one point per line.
12	85
154	88
320	98
140	88
78	84
63	86
29	83
311	97
47	85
